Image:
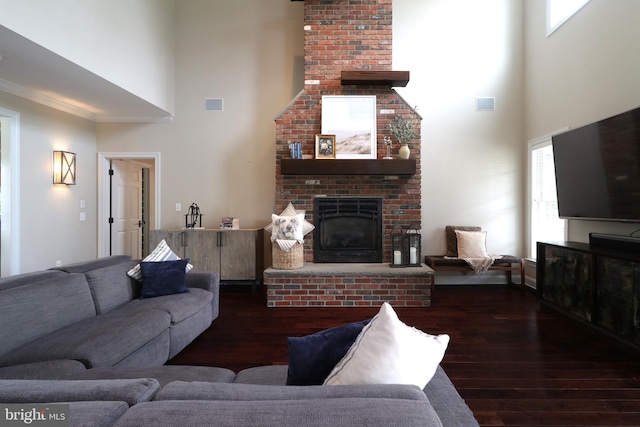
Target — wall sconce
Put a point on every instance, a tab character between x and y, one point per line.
64	167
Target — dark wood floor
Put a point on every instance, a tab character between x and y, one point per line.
513	361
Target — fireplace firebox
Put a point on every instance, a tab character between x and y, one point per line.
348	230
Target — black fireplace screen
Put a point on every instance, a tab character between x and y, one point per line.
347	230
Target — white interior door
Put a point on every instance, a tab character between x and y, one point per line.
127	208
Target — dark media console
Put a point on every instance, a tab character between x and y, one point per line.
596	285
613	241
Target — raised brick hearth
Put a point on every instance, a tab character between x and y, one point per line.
349	285
346	35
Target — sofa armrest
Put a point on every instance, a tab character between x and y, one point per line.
207	280
131	391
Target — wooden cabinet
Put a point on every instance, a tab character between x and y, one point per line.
235	254
597	286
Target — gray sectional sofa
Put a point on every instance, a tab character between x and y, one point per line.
77	337
90	312
194	396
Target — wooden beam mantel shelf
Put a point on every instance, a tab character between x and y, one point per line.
348	167
387	78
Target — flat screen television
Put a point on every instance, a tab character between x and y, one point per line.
598	169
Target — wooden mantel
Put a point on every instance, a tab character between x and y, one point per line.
348	167
387	78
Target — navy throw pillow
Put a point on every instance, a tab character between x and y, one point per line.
311	358
163	278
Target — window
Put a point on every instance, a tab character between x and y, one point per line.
559	11
544	223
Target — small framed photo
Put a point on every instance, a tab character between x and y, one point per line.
325	146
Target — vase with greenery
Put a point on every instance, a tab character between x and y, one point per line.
404	131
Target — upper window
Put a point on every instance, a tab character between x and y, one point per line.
558	11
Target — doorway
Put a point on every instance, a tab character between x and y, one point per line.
128	202
9	192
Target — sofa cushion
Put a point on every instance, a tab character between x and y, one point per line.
28	278
163	278
389	352
472	244
31	312
101	340
164	374
268	413
182	390
452	240
265	375
46	370
312	357
96	414
162	252
178	306
132	391
111	287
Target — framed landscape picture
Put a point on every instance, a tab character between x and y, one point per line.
325	146
352	119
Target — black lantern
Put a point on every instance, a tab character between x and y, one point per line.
193	217
397	247
412	247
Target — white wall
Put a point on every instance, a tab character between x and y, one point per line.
50	227
472	161
129	43
249	53
587	70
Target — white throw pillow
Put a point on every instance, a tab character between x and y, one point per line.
387	351
307	227
472	244
287	227
162	252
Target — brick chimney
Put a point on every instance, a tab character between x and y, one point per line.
347	35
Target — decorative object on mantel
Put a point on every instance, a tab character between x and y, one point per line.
387	143
405	131
352	119
325	146
296	150
287	238
397	247
193	217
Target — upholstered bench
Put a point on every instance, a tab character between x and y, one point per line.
508	263
453	261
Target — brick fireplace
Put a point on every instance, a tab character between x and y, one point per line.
346	35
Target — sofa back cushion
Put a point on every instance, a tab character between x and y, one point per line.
111	287
28	278
32	311
93	264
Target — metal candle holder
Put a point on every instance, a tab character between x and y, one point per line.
193	217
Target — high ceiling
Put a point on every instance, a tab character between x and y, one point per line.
30	71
